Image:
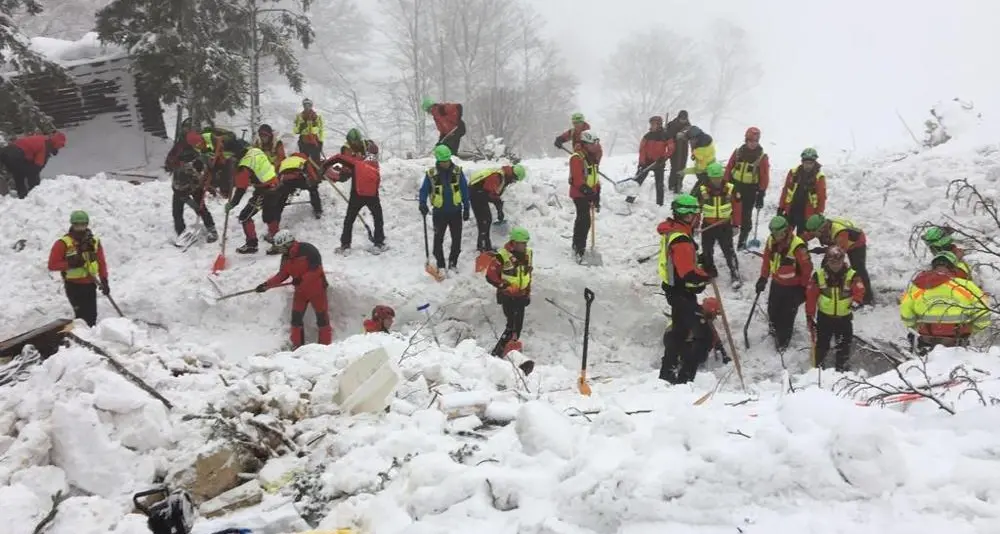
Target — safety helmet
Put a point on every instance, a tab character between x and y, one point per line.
79	217
685	205
265	129
520	172
948	259
576	118
354	135
810	154
752	134
283	238
519	235
835	253
306	103
58	139
715	170
777	224
711	306
656	118
426	104
382	312
937	237
442	153
194	139
815	222
693	132
588	138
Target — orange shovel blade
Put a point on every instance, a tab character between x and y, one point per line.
219	265
483	261
433	271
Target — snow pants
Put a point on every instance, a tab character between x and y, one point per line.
484	219
289	186
858	263
455	139
83	299
581	226
26	175
681	356
658	173
452	223
194	198
222	177
354	205
828	329
748	196
513	310
722	234
269	203
782	304
311	290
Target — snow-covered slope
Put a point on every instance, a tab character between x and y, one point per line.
811	461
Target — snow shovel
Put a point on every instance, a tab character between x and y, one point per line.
581	383
244	292
746	327
428	266
641	172
593	256
754	243
483	261
616	185
220	260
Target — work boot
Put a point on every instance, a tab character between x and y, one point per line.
452	265
268	238
250	247
211	236
273	250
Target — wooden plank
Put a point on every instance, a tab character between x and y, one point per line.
45	338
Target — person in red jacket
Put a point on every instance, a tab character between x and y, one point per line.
366	178
270	144
584	188
654	150
255	169
189	182
359	147
835	291
849	237
381	320
510	273
26	157
574	133
303	263
448	119
804	192
79	257
786	262
749	169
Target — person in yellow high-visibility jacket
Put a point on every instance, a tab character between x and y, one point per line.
942	308
702	153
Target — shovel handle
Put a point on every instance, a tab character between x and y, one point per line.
588	296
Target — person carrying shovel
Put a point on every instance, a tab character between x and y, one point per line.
448	120
749	170
304	264
446	187
510	273
584	188
79	257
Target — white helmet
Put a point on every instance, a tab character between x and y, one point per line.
588	138
283	238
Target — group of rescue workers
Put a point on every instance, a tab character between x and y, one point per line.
942	305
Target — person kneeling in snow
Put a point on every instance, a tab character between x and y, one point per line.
510	273
679	369
381	320
303	263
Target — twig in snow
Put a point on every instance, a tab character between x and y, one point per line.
740	403
44	523
578	413
281	435
120	369
738	433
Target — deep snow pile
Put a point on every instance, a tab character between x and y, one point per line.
676	466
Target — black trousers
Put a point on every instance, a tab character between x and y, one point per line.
266	201
828	329
857	259
374	205
484	220
452	223
676	178
748	196
313	151
581	225
222	177
83	298
782	304
797	217
658	173
195	197
26	175
680	352
722	234
513	310
289	186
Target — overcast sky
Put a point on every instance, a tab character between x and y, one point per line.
832	67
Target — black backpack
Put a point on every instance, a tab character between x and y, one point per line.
173	515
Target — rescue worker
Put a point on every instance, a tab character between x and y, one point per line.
254	168
678	160
359	147
849	238
448	120
487	187
219	159
584	188
804	192
510	273
834	292
942	308
706	339
296	173
366	179
681	279
940	239
654	149
25	157
749	169
381	320
309	128
79	257
786	261
303	263
188	184
579	125
720	209
270	144
448	190
702	153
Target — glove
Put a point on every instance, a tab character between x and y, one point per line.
721	354
75	261
465	213
817	250
558	144
760	200
261	288
105	288
761	284
229	207
424	210
780	212
855	306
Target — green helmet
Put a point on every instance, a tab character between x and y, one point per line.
810	154
936	236
945	257
442	153
79	217
685	205
777	224
814	222
576	117
353	135
520	172
426	104
715	170
519	235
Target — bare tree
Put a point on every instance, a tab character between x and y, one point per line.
407	32
732	71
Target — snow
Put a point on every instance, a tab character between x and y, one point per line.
67	53
635	457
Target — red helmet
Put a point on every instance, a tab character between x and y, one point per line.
383	312
753	134
711	306
194	139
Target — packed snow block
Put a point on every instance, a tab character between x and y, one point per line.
868	456
279	472
365	513
120	330
464	403
541	428
44	481
32	447
87	515
612	422
367	384
246	495
21	509
501	413
430	421
464	424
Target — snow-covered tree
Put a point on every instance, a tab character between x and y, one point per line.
730	72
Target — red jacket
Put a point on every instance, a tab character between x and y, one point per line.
446	117
819	189
304	265
35	148
275	151
372	326
57	261
789	272
496	182
578	167
368	148
655	146
573	134
812	290
366	174
744	154
683	255
708	198
846	239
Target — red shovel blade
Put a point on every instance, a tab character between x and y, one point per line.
220	264
483	261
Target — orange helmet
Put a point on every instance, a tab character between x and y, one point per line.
383	312
752	134
58	139
711	306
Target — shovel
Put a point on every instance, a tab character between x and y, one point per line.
755	243
483	261
428	266
220	260
642	172
581	383
240	293
593	257
616	185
